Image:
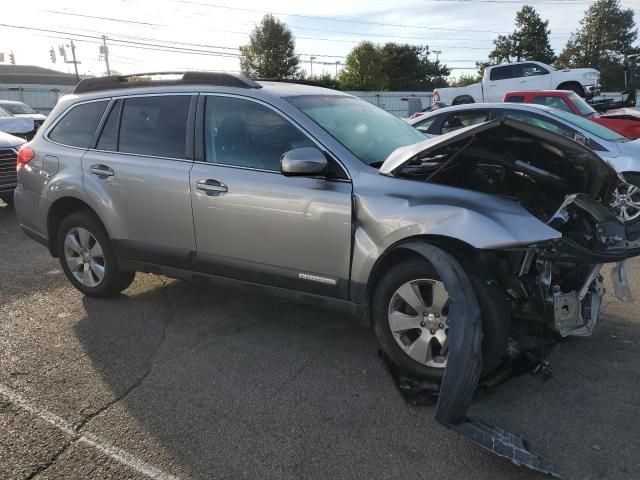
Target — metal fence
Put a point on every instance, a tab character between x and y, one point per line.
392	101
40	97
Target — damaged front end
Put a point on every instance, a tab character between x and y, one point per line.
554	283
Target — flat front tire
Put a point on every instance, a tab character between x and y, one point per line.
87	258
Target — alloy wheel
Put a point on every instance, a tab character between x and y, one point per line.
84	257
418	319
626	202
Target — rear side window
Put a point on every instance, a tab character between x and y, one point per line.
79	124
109	136
426	124
502	73
155	125
515	99
464	119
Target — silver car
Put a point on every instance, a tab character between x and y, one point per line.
621	152
448	246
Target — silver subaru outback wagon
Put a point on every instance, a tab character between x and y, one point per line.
451	247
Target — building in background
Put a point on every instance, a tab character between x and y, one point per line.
38	87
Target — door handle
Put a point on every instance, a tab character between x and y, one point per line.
101	170
211	187
522	81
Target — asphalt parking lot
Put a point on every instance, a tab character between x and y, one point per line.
178	380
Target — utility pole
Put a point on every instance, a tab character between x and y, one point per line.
104	50
337	63
311	59
437	52
75	62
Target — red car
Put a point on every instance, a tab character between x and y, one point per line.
624	121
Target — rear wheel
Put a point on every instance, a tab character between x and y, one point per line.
87	258
411	319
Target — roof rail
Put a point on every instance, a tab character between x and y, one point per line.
143	80
311	83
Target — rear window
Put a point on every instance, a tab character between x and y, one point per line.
77	127
155	125
502	73
515	99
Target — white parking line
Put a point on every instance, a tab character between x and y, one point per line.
89	439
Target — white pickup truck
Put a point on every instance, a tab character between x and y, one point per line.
518	76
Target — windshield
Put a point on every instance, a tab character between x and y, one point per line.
18	108
369	132
583	107
591	127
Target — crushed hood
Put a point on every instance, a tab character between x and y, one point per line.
601	172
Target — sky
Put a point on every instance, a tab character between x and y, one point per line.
167	35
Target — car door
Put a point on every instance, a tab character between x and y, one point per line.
500	82
531	76
251	222
137	173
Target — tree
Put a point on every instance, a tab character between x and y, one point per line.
324	79
391	67
529	41
271	51
606	33
464	80
363	69
407	67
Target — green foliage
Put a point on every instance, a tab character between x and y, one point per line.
391	67
529	41
363	69
271	51
324	79
606	33
464	80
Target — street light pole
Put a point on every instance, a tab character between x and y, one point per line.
337	63
105	52
75	62
311	59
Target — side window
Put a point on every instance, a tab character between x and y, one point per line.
246	134
464	119
79	124
530	70
541	122
501	73
426	124
109	136
515	99
155	125
555	102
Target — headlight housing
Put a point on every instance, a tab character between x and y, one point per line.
591	75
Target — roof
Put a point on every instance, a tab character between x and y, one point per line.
289	89
32	75
480	106
555	93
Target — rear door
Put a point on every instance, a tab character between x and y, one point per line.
253	223
137	174
500	82
531	76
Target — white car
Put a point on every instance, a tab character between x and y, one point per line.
23	127
22	110
500	79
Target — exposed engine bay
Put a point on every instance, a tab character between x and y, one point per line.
561	183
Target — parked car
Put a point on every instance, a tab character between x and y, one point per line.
625	121
622	153
447	246
500	79
9	145
21	127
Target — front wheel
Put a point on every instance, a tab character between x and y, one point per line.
411	319
626	204
87	258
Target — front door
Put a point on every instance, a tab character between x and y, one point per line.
251	222
137	174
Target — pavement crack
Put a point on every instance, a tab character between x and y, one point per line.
150	364
44	466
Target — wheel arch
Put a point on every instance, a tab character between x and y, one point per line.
463	99
573	83
58	211
402	250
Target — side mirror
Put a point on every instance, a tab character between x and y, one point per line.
303	161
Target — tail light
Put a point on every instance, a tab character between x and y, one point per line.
25	155
436	96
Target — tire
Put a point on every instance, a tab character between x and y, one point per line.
574	87
493	307
7	198
92	270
